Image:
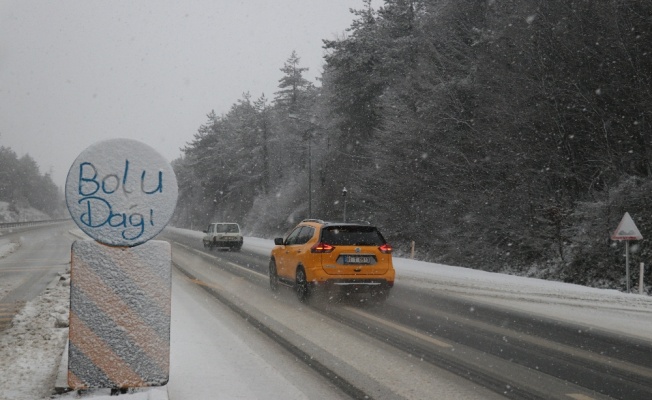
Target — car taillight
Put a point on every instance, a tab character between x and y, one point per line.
386	248
322	247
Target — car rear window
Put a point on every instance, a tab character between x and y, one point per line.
352	236
226	228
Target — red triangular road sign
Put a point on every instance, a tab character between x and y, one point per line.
626	230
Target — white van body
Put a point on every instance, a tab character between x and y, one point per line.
223	235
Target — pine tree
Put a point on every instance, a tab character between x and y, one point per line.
292	85
264	128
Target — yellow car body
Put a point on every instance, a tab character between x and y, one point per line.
354	258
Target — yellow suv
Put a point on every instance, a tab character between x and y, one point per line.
354	258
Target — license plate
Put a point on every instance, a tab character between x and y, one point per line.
357	260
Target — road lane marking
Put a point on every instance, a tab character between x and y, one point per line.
544	343
579	396
421	336
247	269
31	260
401	328
26	269
202	283
221	259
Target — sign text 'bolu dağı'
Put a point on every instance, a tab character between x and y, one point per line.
121	192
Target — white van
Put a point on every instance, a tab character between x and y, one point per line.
223	235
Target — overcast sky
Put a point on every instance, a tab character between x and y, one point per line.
76	72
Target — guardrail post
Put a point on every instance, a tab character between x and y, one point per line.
640	278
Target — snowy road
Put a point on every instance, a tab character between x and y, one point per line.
45	252
310	348
446	332
443	332
217	354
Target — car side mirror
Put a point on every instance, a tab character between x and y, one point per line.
278	241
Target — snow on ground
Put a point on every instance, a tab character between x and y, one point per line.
17	214
213	355
33	346
7	247
157	393
607	309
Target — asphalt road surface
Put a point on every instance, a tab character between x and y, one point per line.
499	351
418	344
44	253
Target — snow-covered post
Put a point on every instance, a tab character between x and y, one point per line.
122	193
627	231
344	191
412	244
640	278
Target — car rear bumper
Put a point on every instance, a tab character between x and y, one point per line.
226	243
357	284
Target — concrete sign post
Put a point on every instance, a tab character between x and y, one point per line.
121	193
627	231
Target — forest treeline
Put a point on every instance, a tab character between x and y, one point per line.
22	185
502	135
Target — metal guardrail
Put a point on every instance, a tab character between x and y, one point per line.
6	225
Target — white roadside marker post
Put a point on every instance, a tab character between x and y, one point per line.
627	231
122	193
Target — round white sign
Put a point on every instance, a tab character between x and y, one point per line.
121	192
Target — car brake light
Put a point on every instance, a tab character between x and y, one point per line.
386	248
322	247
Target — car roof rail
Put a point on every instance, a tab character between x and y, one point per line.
313	220
353	222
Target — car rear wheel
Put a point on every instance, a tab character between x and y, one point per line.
273	276
301	286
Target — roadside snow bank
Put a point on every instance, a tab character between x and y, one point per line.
7	283
154	393
606	309
32	346
9	213
7	247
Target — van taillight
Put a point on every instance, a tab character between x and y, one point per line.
322	247
386	248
